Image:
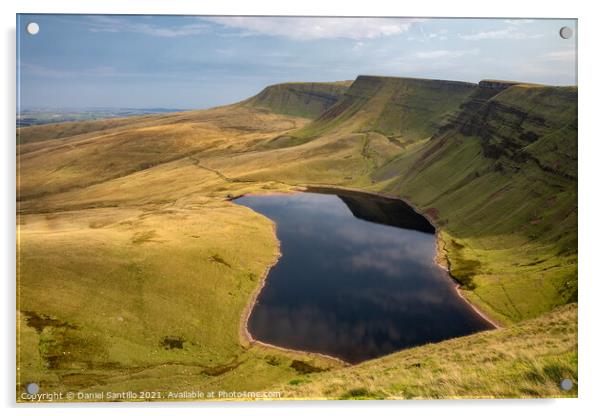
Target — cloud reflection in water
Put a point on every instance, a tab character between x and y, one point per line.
350	285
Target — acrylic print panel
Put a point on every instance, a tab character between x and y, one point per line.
279	208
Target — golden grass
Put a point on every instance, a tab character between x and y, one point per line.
127	242
110	285
526	360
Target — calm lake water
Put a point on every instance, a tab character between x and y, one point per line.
356	279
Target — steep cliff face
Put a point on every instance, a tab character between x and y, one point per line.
530	123
303	99
494	168
403	109
500	177
493	164
521	122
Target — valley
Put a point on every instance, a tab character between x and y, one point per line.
136	269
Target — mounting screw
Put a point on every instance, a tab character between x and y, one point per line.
33	28
566	384
566	32
32	388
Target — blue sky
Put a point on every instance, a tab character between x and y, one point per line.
200	62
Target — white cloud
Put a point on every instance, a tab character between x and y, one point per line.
517	22
427	37
441	35
358	46
310	28
447	54
567	56
510	32
119	24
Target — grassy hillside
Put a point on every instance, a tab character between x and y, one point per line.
303	99
526	360
500	180
145	298
94	153
498	176
403	110
152	268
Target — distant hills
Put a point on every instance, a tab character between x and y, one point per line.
37	116
125	217
495	163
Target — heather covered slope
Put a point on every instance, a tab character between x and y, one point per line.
130	222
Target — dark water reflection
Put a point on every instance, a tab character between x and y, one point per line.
356	278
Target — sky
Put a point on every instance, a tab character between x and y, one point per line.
186	62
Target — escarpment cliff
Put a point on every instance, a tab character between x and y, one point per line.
521	122
403	109
525	123
304	99
502	172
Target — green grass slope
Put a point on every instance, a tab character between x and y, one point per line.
134	271
128	221
402	109
303	99
497	175
526	360
500	181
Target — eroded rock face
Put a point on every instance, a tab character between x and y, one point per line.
530	123
521	122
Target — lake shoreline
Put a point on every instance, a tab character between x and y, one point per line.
440	259
245	335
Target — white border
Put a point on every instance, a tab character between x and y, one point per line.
590	154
